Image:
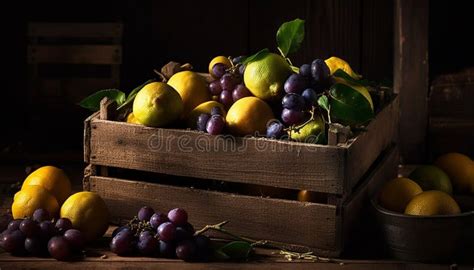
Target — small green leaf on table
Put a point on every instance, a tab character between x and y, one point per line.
92	102
289	36
235	250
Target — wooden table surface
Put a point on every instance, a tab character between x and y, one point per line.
99	257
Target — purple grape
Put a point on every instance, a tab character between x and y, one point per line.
40	215
178	216
145	213
216	110
242	69
215	88
167	231
201	122
275	130
75	238
292	117
158	218
59	248
145	234
295	84
14	225
182	234
29	228
203	245
293	102
167	249
226	98
188	227
214	126
63	224
238	59
305	70
47	230
239	92
228	82
310	97
13	242
219	70
4	221
34	246
119	229
122	243
319	70
186	250
148	246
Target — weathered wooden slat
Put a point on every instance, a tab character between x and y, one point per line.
65	30
366	147
261	218
75	54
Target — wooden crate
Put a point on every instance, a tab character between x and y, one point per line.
329	169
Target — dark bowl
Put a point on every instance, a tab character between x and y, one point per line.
431	239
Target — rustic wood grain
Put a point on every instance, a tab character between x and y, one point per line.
261	218
87	136
75	54
411	76
366	147
447	134
65	30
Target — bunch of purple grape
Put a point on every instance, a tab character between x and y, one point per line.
213	123
39	236
302	91
159	235
228	86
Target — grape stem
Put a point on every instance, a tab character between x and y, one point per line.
289	251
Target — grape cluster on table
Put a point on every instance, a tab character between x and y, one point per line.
302	90
228	86
160	235
40	236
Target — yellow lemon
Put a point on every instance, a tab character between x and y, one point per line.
265	77
192	88
205	107
52	179
219	59
132	119
248	116
432	202
397	193
32	197
157	104
88	213
334	63
460	169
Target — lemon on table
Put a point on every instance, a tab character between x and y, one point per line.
430	177
310	133
157	104
88	213
460	169
397	193
32	197
432	202
218	59
248	116
266	76
334	63
52	179
205	107
192	88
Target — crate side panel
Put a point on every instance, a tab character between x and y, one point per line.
193	154
285	221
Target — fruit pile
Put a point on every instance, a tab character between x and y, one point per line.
155	234
428	190
40	236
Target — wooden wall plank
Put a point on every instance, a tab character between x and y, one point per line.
411	76
75	30
75	54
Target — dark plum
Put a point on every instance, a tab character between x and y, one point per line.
292	117
59	248
293	102
214	126
275	130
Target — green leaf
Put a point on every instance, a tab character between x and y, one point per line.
260	54
236	249
289	36
342	74
323	102
134	92
92	102
219	255
348	106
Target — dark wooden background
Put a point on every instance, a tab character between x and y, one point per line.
360	31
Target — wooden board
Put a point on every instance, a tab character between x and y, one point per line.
74	30
327	169
75	54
